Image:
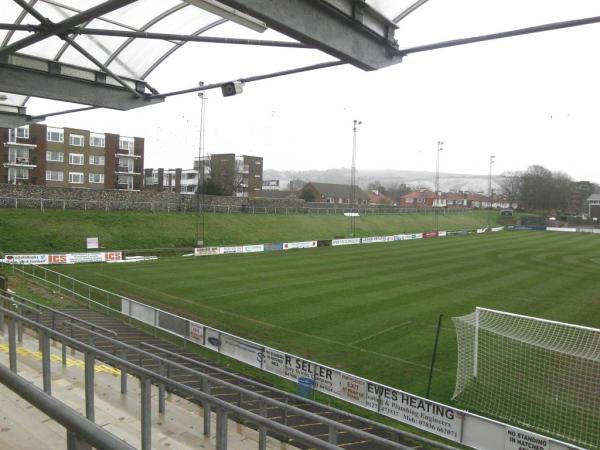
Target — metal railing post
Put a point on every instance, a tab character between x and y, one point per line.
12	344
74	443
146	413
20	326
64	353
332	437
206	406
89	386
46	374
262	431
161	392
221	429
123	373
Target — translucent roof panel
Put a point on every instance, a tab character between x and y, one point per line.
391	8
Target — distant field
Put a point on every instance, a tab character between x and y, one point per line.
23	230
372	309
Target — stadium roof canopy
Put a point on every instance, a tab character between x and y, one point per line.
99	53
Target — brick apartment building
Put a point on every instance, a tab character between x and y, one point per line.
69	157
238	176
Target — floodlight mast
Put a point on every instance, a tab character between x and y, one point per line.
440	147
353	180
201	184
490	192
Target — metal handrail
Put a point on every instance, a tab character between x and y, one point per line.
157	378
402	433
72	318
248	393
74	422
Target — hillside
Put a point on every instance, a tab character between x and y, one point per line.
34	231
448	181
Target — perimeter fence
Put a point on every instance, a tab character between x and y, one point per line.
191	206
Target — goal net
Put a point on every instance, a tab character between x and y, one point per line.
537	373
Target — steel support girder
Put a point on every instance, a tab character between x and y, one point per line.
34	83
346	29
13	120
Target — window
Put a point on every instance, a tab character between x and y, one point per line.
256	175
76	140
126	143
54	175
55	156
126	165
76	159
23	132
97	140
75	177
96	178
18	155
55	135
97	160
21	173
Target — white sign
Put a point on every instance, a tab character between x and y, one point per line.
254	248
442	233
207	251
196	333
522	440
418	412
306	244
64	258
372	239
92	242
564	230
241	350
495	229
350	241
481	230
352	214
26	259
236	249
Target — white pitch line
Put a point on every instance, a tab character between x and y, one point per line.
379	332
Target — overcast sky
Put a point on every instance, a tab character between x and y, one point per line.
528	100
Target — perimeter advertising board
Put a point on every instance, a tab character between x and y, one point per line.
207	251
349	241
404	407
64	258
305	244
373	239
235	249
430	234
254	248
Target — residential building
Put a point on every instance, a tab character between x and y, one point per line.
69	157
332	193
239	176
424	199
593	206
377	198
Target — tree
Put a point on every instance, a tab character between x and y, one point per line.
510	186
307	196
377	186
210	187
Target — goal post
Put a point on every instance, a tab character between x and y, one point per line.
536	373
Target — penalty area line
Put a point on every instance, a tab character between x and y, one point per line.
379	333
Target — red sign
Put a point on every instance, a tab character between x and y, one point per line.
430	234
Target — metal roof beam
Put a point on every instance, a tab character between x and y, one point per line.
188	38
52	80
347	29
65	25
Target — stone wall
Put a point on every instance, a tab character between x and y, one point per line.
39	197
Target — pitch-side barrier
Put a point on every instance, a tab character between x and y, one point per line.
442	420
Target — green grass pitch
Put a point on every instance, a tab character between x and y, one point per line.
372	309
